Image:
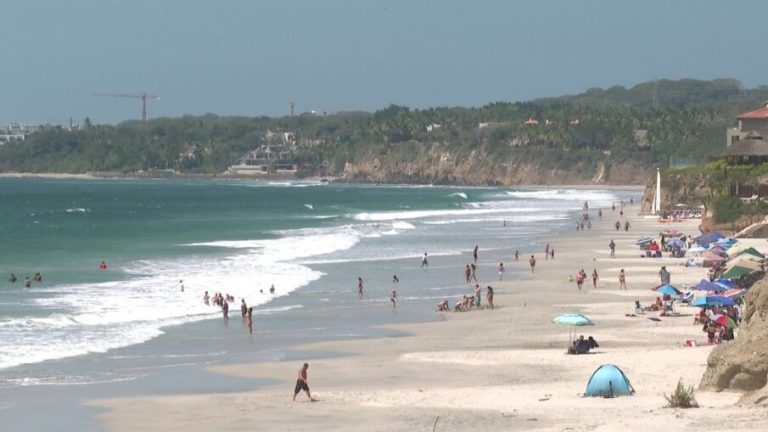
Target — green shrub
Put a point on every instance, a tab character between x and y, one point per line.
681	397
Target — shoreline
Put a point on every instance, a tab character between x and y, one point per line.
481	369
276	177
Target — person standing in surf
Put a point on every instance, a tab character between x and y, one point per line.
393	298
474	254
501	270
424	262
360	287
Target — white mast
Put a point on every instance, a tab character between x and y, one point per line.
656	206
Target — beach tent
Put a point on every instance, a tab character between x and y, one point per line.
609	381
736	272
743	262
752	251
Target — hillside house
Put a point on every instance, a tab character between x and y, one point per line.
754	122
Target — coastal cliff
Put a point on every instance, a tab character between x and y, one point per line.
477	168
740	364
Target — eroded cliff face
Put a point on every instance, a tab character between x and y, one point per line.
676	188
742	364
476	168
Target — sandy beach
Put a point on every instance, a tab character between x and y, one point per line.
504	369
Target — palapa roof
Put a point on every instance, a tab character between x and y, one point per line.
745	147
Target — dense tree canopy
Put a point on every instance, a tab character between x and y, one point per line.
676	119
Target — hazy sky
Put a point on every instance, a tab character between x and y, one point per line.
251	57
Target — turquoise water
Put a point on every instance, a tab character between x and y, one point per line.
310	240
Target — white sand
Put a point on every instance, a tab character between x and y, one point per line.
490	370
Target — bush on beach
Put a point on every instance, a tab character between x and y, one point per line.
681	397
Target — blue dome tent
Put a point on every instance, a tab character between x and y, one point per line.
609	381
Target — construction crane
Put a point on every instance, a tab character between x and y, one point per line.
142	96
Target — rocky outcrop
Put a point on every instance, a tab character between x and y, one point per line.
676	188
742	364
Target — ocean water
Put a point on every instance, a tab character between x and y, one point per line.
82	325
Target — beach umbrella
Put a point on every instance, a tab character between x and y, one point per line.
572	319
727	284
735	293
643	240
675	242
736	272
705	285
668	290
708	301
724	320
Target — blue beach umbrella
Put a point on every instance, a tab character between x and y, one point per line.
668	290
675	242
708	301
705	285
572	319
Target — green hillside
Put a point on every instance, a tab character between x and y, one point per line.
646	125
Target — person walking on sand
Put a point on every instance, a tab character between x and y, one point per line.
489	297
360	287
474	254
301	383
622	280
626	226
532	262
517	255
424	262
612	246
546	252
594	278
501	270
551	253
